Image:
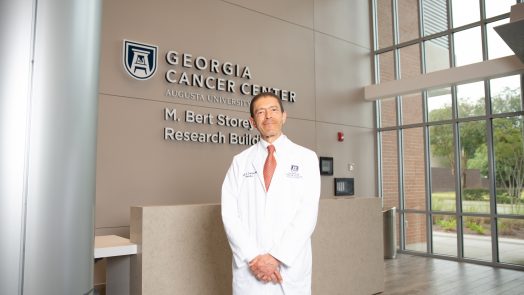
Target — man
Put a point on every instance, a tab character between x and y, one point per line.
269	212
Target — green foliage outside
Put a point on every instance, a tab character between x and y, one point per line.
447	224
473	202
475	194
508	147
475	225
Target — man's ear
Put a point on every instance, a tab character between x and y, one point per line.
284	117
252	121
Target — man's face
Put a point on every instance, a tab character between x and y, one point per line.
268	118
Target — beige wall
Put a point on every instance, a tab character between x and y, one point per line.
319	49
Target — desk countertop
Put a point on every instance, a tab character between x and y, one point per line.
109	246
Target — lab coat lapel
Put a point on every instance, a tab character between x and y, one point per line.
258	165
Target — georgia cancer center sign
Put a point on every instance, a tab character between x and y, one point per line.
140	61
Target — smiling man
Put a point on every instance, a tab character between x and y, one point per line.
269	207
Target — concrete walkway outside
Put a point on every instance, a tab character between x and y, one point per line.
511	251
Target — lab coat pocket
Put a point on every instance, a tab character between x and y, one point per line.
300	271
242	275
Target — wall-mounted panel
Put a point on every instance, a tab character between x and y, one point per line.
352	158
347	20
340	71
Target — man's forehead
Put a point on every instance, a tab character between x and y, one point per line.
264	102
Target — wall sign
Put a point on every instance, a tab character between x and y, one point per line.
139	59
229	82
185	69
238	136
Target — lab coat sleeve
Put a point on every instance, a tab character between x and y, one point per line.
299	231
243	247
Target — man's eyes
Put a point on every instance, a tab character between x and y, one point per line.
261	112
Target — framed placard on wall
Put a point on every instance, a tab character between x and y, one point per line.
326	165
344	187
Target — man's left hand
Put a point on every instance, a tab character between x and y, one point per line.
266	268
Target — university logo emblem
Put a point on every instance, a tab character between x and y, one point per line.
294	168
139	59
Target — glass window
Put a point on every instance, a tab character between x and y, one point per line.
435	16
477	237
509	164
498	7
442	158
465	12
415	229
444	234
468	47
470	99
408	20
410	61
473	167
388	112
436	54
505	94
389	169
496	46
457	122
414	169
384	23
439	104
386	65
412	109
511	239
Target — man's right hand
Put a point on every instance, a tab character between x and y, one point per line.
266	268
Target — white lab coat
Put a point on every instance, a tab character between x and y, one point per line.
279	222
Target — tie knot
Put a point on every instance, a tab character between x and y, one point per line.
271	148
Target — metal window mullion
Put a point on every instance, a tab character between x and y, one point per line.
522	91
427	165
380	187
394	14
378	113
374	23
483	31
491	173
458	186
402	214
378	136
400	146
458	192
400	158
451	37
450	14
421	42
482	10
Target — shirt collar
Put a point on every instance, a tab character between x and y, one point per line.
278	143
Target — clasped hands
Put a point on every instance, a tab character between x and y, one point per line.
266	268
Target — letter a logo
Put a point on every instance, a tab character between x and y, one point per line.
139	59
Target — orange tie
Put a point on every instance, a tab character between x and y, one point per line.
269	166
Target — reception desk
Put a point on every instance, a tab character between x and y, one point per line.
184	249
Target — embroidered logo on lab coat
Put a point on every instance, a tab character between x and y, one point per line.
249	174
293	172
